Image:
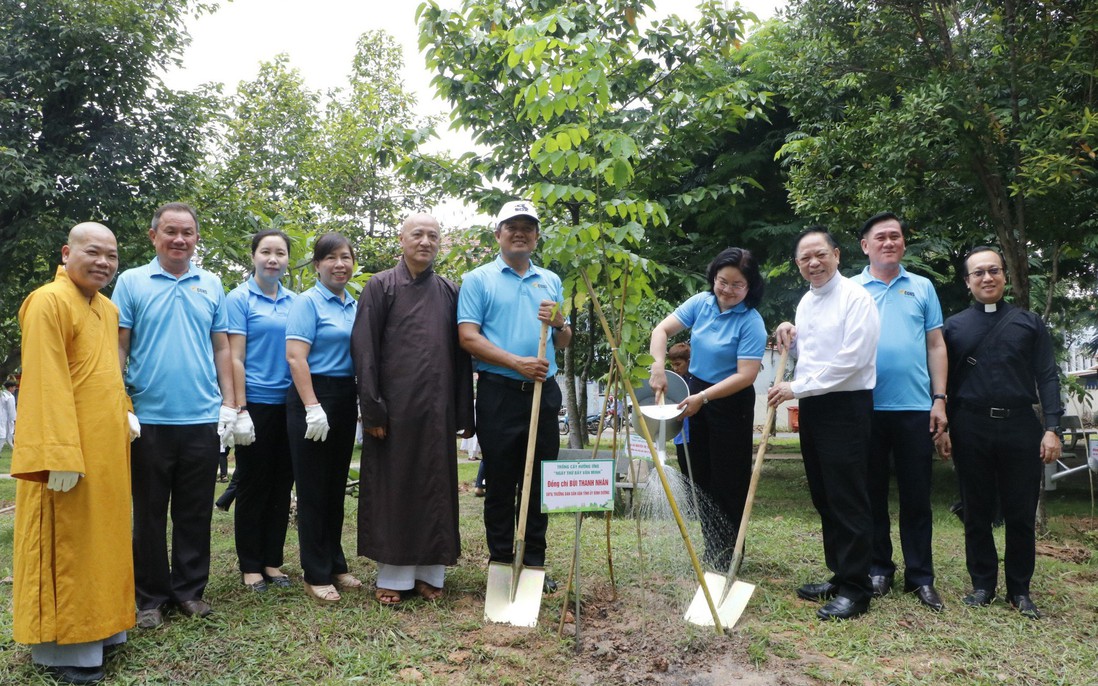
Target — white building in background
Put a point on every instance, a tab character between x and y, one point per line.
1083	366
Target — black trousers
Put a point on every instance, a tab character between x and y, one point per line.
998	457
320	471
835	432
901	441
264	477
503	427
176	466
720	464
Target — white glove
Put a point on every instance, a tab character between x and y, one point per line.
316	423
62	481
244	429
135	426
226	418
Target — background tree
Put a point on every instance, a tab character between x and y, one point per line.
87	131
974	120
369	133
288	157
576	106
256	174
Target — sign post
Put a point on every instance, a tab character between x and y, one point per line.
577	486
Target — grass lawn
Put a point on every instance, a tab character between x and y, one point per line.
633	633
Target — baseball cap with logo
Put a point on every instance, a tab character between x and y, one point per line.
517	208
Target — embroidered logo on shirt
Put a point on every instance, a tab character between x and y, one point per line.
199	289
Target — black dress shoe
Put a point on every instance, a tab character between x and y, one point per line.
821	591
76	675
149	619
979	598
843	608
1023	604
195	608
928	596
882	584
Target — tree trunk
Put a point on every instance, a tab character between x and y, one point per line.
571	399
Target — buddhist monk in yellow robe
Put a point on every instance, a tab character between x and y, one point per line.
73	572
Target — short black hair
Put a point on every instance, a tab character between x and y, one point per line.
258	238
742	259
174	207
329	243
880	217
982	248
10	384
815	228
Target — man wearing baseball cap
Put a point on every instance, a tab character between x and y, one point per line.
500	310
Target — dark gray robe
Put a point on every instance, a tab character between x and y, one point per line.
414	380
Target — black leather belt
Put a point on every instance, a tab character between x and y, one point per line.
996	412
499	379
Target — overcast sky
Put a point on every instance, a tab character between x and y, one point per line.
320	36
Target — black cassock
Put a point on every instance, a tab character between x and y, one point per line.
416	381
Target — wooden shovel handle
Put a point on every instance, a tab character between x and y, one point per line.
531	443
756	471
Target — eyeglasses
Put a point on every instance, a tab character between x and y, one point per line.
738	287
980	273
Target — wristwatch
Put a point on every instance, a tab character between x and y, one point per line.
705	398
939	396
1058	430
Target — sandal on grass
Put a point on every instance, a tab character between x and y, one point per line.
324	594
427	591
387	596
346	580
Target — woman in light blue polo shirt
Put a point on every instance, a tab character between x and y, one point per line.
321	414
727	341
258	311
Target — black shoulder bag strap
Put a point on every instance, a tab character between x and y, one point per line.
965	363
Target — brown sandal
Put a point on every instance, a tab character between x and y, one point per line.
387	596
324	594
427	591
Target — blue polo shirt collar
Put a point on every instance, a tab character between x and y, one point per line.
869	276
156	270
254	288
738	308
504	267
328	295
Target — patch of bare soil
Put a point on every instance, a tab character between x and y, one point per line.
1075	540
641	638
1064	553
638	638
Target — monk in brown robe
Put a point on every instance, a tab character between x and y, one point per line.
73	558
415	389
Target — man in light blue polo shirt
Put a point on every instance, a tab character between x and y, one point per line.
500	310
173	326
909	405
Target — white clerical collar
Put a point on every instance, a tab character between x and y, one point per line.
991	307
827	287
